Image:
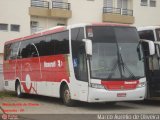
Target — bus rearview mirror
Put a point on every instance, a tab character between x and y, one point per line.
148	46
157	47
88	46
151	48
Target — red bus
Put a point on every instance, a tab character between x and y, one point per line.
84	62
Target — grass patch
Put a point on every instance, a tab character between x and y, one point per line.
7	94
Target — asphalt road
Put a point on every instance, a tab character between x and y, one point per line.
33	107
47	106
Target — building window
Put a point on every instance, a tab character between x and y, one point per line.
3	26
144	2
34	24
35	27
152	3
108	3
122	4
15	28
61	4
60	24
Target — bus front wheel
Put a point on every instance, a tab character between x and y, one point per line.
18	90
66	96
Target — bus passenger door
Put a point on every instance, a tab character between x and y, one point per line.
80	69
154	68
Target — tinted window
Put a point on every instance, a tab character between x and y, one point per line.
77	34
111	47
147	34
79	60
15	28
61	42
3	26
99	34
43	45
14	50
78	54
25	49
7	51
126	34
53	44
11	51
112	34
33	51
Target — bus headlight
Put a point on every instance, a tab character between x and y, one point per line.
98	86
141	84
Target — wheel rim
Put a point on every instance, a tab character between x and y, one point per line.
18	90
66	96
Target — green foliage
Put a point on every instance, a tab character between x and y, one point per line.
6	94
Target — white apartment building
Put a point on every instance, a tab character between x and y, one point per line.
22	17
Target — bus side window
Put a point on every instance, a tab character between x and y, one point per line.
147	34
14	51
50	45
11	51
25	49
156	58
155	63
41	47
61	42
57	43
33	51
7	51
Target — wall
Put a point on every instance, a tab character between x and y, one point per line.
85	11
44	23
145	15
14	12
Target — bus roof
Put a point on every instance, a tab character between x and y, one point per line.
40	33
96	24
148	28
62	28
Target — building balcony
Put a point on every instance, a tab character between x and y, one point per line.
61	10
39	8
118	15
54	10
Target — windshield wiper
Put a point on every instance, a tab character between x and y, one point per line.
121	66
139	51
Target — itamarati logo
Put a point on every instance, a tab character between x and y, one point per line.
53	64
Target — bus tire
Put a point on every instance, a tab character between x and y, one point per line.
66	97
18	90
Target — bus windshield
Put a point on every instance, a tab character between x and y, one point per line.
115	53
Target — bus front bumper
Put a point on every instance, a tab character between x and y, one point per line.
104	95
